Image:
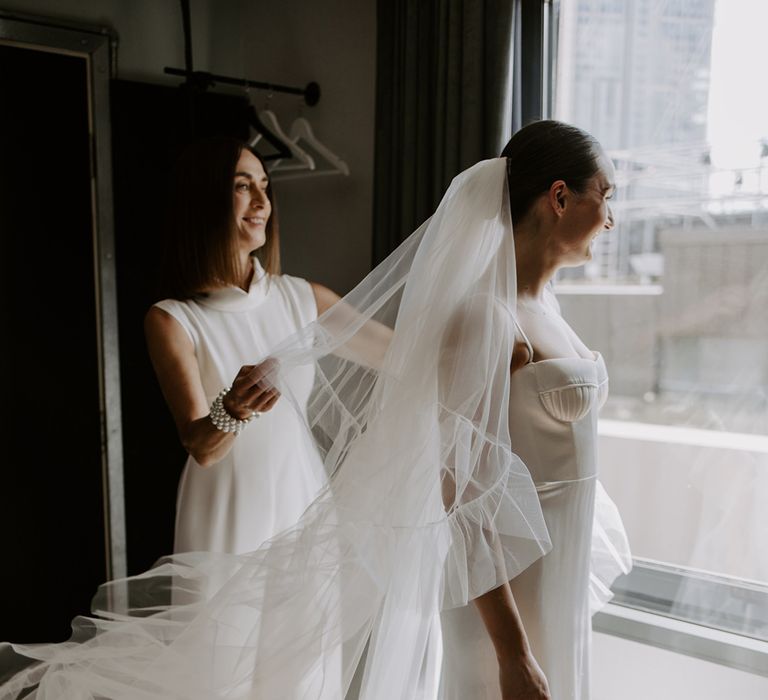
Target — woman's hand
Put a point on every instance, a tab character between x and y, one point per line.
521	678
252	391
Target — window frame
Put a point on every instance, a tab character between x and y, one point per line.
708	644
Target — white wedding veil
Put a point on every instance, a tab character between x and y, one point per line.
427	505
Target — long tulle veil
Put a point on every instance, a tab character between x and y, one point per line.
427	505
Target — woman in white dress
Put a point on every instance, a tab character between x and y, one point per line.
229	306
249	473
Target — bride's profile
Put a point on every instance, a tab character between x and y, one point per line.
460	459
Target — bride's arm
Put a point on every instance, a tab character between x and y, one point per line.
464	387
519	673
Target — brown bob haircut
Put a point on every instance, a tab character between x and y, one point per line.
200	230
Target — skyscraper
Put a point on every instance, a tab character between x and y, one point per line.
635	73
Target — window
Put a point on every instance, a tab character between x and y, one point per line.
676	295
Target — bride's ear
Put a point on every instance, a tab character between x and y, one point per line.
558	194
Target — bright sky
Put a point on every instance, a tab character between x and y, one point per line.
738	94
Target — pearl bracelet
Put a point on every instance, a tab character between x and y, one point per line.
221	418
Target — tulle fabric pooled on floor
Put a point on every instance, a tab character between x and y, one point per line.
427	505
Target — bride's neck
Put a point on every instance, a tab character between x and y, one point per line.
536	265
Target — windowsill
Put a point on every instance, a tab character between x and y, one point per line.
609	289
725	648
654	628
652	432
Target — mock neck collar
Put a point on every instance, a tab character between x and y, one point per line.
236	299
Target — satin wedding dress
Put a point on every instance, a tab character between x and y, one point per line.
553	406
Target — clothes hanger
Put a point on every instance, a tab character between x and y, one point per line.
262	131
301	131
301	159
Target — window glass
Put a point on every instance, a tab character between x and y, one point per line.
676	296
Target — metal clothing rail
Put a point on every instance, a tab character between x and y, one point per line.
203	80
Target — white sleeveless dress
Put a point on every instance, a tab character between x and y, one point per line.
553	427
273	471
271	474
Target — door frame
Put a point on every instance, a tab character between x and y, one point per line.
97	45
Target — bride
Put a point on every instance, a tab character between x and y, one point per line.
457	460
559	181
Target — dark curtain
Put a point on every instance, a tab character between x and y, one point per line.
442	90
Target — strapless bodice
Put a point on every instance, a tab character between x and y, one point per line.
553	410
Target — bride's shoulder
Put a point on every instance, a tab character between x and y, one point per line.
551	298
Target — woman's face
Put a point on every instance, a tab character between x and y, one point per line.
587	215
251	205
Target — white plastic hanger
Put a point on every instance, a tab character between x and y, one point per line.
301	131
303	161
